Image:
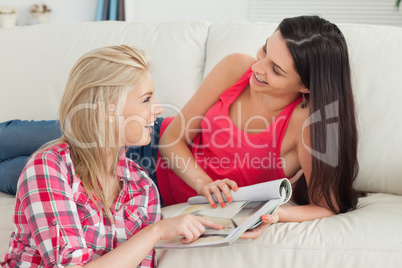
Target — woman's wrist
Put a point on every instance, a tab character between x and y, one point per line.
200	183
280	211
155	230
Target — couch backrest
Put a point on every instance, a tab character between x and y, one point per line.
35	62
376	62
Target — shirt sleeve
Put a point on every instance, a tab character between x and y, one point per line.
154	215
154	206
47	202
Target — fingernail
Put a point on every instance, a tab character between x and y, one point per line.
214	205
264	218
235	188
223	204
230	199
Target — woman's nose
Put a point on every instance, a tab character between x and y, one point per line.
156	108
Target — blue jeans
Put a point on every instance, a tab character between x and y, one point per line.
19	139
145	156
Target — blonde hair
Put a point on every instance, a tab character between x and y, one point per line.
97	87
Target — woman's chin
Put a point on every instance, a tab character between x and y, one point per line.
142	142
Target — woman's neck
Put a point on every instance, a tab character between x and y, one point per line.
270	104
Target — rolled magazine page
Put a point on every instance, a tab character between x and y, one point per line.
257	192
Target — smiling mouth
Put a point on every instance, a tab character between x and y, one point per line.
150	124
259	79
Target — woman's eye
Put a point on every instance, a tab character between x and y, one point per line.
275	71
147	99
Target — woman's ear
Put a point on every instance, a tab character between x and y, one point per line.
304	90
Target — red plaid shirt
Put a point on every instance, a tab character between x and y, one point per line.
56	224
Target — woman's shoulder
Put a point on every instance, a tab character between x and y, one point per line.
47	164
299	125
226	73
300	114
239	57
52	151
54	158
236	64
137	173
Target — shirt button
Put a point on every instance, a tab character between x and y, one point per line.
54	222
110	228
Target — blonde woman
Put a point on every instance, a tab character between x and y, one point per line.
80	197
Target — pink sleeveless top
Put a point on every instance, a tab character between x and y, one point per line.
224	151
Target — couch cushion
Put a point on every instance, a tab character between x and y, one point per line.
34	72
7	203
376	60
367	237
237	38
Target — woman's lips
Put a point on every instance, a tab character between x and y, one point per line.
258	80
149	126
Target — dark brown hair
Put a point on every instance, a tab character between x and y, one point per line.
321	58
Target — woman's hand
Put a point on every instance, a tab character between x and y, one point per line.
220	188
257	231
134	250
189	226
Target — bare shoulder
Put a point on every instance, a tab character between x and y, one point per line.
300	115
238	60
230	69
299	126
225	74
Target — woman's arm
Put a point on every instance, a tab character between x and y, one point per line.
134	250
48	204
303	213
298	213
186	126
49	209
288	214
304	154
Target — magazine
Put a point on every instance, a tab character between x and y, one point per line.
249	204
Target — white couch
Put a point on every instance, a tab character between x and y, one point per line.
35	62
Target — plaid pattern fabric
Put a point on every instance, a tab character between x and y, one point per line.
56	224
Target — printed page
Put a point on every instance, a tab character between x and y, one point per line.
236	217
231	217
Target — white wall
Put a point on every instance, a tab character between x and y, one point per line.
204	10
380	12
187	10
142	10
62	10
